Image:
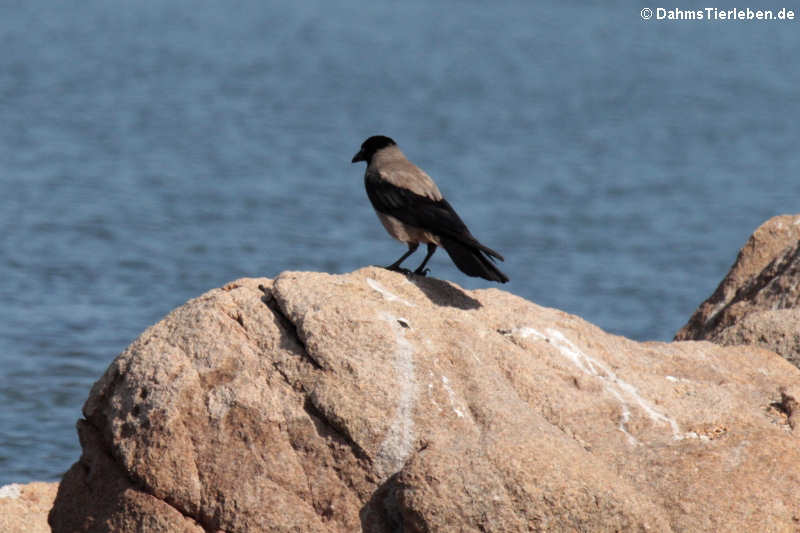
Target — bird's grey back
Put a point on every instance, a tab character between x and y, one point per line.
393	166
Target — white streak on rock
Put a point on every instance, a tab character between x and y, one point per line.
527	332
12	492
625	417
613	384
472	354
390	296
452	396
399	441
431	395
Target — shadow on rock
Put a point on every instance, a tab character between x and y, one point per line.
445	294
382	511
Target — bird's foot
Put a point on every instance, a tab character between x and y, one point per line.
422	272
402	270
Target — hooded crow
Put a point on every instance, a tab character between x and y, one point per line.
412	210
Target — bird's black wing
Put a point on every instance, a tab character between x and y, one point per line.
435	216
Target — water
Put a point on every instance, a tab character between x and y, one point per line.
151	151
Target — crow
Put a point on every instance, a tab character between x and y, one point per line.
413	210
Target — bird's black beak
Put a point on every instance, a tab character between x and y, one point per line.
359	157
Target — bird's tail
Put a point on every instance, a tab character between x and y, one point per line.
474	259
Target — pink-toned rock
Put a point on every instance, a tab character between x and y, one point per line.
96	496
777	330
371	402
758	301
24	508
768	241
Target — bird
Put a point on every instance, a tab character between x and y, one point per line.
413	210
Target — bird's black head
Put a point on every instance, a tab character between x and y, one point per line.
372	145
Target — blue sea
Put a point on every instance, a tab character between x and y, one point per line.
153	150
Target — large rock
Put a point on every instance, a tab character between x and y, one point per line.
371	402
24	508
758	301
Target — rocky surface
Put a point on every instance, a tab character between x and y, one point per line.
758	301
373	402
24	508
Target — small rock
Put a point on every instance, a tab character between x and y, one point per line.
24	508
758	302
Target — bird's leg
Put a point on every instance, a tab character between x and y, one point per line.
412	247
421	270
